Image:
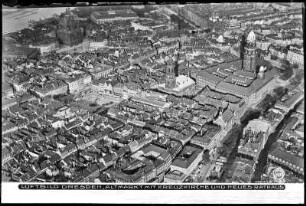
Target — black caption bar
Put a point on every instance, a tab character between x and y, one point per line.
147	187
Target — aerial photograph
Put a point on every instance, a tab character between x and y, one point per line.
174	93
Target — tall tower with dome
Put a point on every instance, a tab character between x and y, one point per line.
249	56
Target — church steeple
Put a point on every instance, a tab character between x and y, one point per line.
170	77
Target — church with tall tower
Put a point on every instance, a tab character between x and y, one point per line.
249	55
170	77
69	32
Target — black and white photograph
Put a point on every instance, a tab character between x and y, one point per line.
197	102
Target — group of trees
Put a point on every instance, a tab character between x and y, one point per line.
229	142
271	99
267	102
298	77
206	156
287	70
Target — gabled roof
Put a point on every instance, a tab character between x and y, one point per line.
227	115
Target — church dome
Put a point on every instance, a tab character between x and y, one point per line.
262	69
251	37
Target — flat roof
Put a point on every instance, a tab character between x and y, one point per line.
256	85
186	157
258	125
153	148
113	14
292	100
150	102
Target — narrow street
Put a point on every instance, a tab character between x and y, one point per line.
200	177
263	157
236	134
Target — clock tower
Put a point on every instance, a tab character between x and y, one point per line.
249	56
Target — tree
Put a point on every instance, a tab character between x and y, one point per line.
220	150
285	63
299	75
273	57
287	72
280	91
295	66
266	103
206	156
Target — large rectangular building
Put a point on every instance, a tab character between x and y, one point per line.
146	165
255	91
205	78
255	136
118	15
78	82
193	15
291	161
51	88
209	139
187	160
